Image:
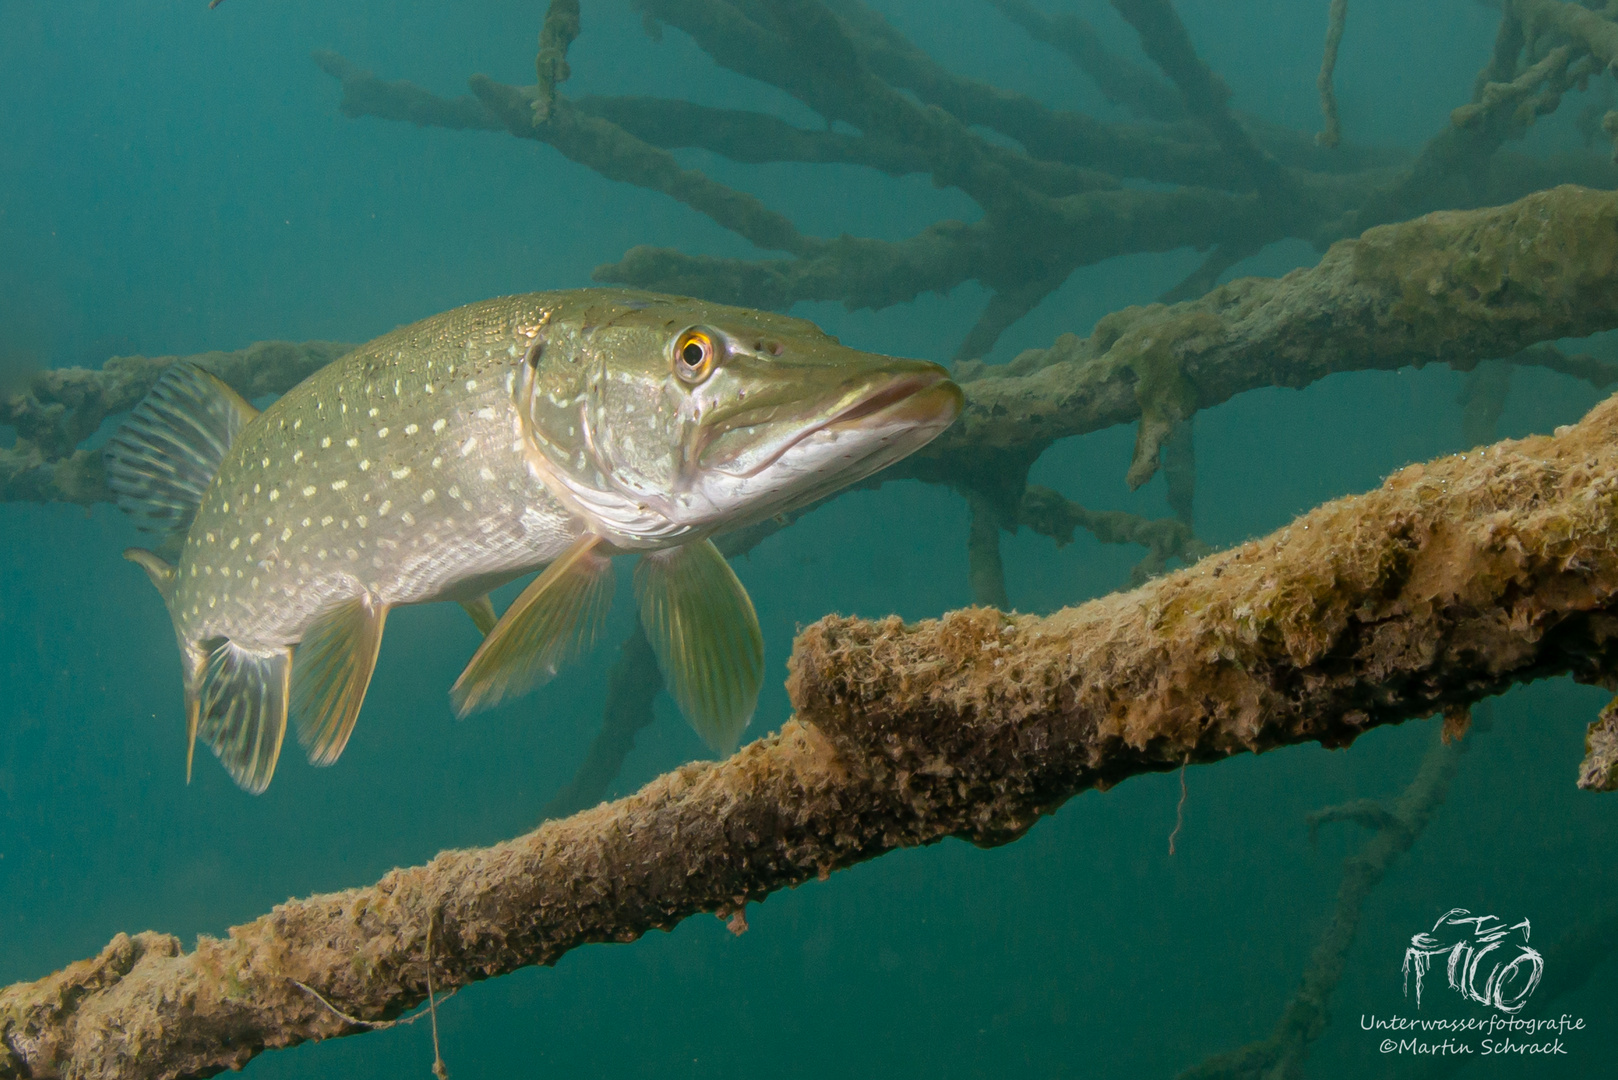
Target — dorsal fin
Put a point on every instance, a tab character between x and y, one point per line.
165	456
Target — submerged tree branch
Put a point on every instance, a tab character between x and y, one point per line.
1454	286
1457	287
1451	582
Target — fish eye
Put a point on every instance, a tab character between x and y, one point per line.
695	354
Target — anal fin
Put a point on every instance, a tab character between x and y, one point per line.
482	612
331	670
554	619
161	573
242	711
195	660
702	626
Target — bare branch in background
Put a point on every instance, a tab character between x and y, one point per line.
1332	134
1059	201
550	63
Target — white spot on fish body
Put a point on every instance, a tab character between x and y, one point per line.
382	433
486	473
427	388
387	504
429	495
306	522
485	413
401	472
407	518
325	441
327	520
437	461
254	538
468	446
373	411
472	384
411	429
235	542
266	463
309	490
362	521
454	492
339	485
439	425
351	442
297	456
365	463
286	534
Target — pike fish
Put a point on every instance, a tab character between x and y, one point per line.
551	431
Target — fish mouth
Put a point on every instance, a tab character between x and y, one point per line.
923	400
919	399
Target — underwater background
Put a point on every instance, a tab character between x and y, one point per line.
174	179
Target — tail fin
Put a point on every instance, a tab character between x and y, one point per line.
168	452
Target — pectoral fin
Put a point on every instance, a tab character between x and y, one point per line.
703	628
331	670
553	620
243	710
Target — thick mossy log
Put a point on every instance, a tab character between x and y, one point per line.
1451	582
